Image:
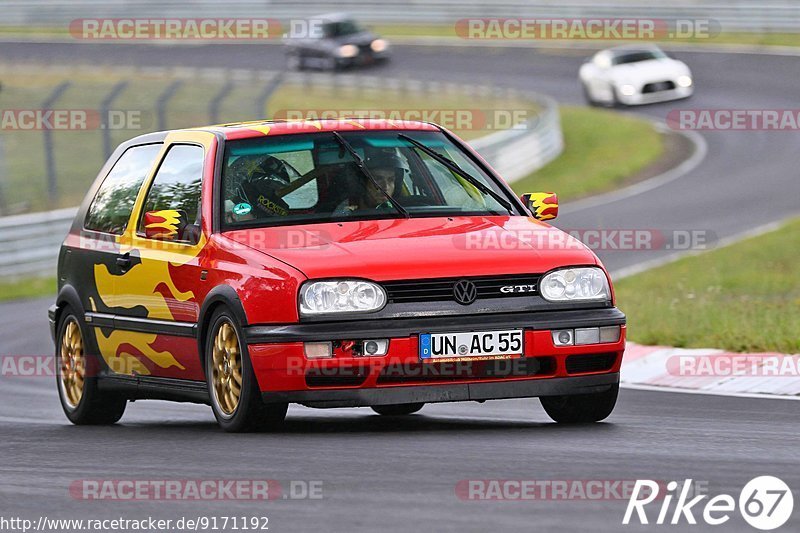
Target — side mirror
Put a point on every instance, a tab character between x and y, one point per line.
542	205
164	225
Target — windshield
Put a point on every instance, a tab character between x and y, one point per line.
340	29
638	55
308	178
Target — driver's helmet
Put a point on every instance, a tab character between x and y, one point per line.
381	159
260	180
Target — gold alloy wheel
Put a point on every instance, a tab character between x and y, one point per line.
73	364
226	369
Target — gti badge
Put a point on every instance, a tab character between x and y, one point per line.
509	289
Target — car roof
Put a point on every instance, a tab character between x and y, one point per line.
333	17
626	48
261	128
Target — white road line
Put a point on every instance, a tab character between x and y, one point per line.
688	165
723	243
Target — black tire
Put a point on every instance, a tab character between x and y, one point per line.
588	96
617	103
581	408
400	409
250	413
330	64
93	407
294	61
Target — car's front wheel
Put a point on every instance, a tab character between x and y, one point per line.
76	377
232	387
294	61
581	408
400	409
587	95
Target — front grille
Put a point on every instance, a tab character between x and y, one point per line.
658	86
437	290
581	364
427	372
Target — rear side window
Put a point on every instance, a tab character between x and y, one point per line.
113	203
176	187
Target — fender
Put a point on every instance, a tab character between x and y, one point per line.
68	296
219	295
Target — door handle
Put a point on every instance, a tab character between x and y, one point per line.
124	261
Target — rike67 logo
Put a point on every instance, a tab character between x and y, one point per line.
766	503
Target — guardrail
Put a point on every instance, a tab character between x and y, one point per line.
516	153
747	15
29	243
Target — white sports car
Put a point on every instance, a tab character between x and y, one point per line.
633	75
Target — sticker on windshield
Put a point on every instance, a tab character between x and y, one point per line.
242	209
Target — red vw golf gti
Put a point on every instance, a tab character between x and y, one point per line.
328	263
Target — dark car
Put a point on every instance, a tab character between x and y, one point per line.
331	42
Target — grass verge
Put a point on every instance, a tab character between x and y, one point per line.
401	31
743	298
602	150
27	288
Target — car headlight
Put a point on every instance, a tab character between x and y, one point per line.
341	296
575	284
347	50
627	90
379	45
684	81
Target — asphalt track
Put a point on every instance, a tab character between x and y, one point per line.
387	475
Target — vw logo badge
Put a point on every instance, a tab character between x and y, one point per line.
465	292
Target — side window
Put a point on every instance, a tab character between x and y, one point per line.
304	197
112	205
307	195
172	207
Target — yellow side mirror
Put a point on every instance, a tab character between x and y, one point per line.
542	205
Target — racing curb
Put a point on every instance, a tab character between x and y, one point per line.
764	374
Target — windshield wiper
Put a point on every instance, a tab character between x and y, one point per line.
365	171
458	170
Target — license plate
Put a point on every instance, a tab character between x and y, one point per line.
472	344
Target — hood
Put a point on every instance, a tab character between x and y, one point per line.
384	250
649	71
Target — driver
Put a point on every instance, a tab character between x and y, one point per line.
386	168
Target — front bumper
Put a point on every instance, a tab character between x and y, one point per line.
284	373
453	392
51	318
363	58
640	98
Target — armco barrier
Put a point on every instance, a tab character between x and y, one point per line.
29	243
